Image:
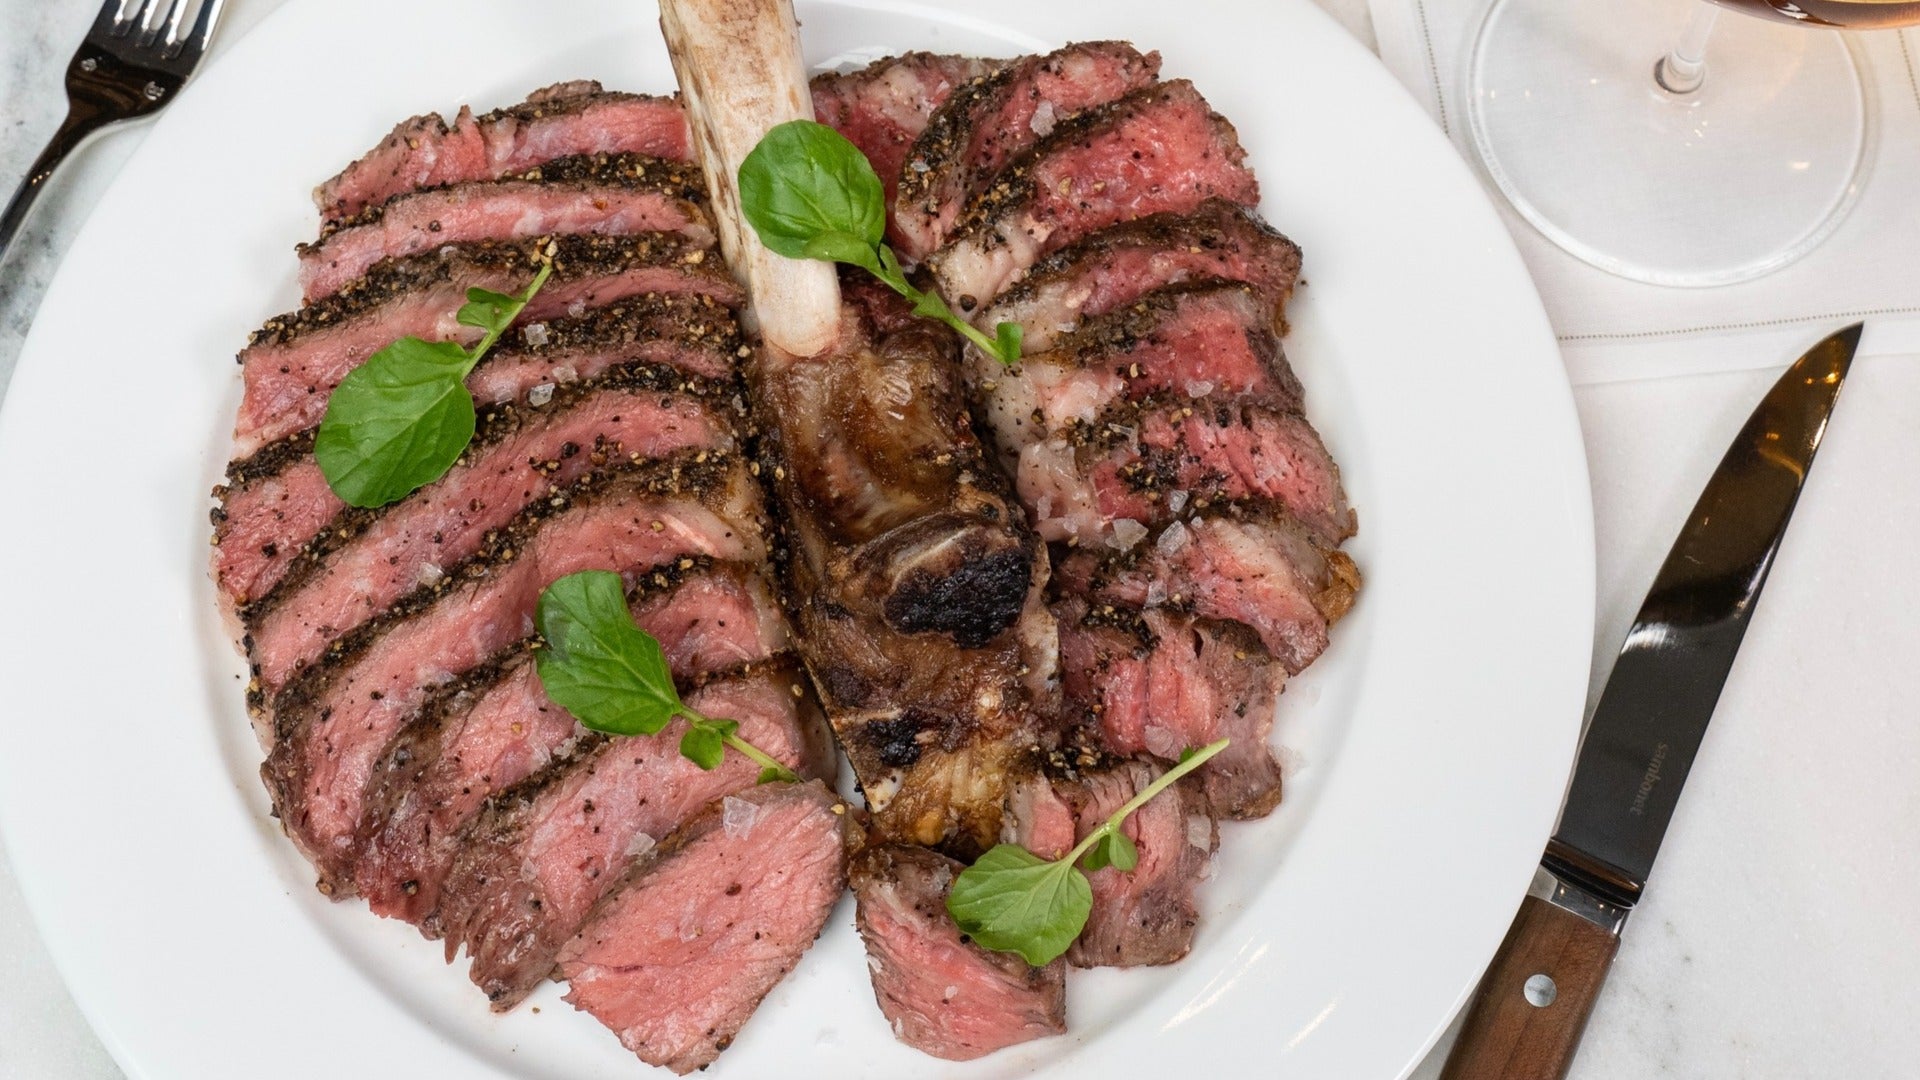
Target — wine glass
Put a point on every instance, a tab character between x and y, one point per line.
1658	142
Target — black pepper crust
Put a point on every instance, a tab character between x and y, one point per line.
575	258
496	423
632	172
1217	225
1106	339
561	99
1014	186
681	477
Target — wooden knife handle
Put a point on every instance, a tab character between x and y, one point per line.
1517	1032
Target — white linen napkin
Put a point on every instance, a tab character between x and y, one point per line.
1611	328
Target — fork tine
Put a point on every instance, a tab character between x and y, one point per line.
195	40
116	18
153	21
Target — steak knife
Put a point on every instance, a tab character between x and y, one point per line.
1526	1018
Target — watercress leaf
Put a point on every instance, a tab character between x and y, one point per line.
1006	340
489	310
839	246
774	774
1121	854
929	305
1097	857
396	422
597	664
804	179
704	746
1011	900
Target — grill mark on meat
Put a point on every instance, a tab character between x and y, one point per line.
914	582
1156	682
295	360
535	860
275	501
1165	457
942	994
1116	266
883	107
1264	571
493	727
369	559
1159	149
619	195
563	120
332	719
992	119
681	952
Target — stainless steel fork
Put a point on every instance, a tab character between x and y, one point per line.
133	63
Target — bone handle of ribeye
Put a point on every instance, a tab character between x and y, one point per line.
740	73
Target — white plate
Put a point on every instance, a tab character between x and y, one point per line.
1428	748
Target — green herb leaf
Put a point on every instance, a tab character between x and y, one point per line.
1115	849
773	774
1011	900
811	194
396	422
805	179
598	665
399	421
703	746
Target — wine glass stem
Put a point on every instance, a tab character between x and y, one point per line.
1685	68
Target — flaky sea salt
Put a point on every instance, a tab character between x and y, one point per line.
535	334
540	395
1172	539
1126	533
1043	119
737	816
639	845
1199	388
1177	500
1200	831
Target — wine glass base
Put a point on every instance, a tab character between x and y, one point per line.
1732	181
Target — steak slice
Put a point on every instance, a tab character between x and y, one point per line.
294	361
613	195
275	500
563	120
1157	682
678	955
1145	915
495	727
1150	462
1267	573
1159	149
991	120
332	722
537	857
521	454
1118	265
942	994
883	107
1202	339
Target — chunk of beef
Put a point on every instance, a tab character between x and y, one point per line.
990	121
679	954
1157	682
293	362
1267	573
521	454
332	722
1153	462
563	120
494	727
1116	266
612	195
1159	149
1146	915
942	994
275	500
538	856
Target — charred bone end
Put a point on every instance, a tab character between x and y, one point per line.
967	593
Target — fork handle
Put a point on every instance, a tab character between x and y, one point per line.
83	119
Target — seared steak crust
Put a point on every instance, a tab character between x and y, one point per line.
914	582
563	120
679	954
619	195
990	120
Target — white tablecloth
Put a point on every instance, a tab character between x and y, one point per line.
1778	939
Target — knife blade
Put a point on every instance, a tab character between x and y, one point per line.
1526	1018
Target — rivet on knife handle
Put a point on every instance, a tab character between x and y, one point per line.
1525	1021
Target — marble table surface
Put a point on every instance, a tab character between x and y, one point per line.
1779	939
